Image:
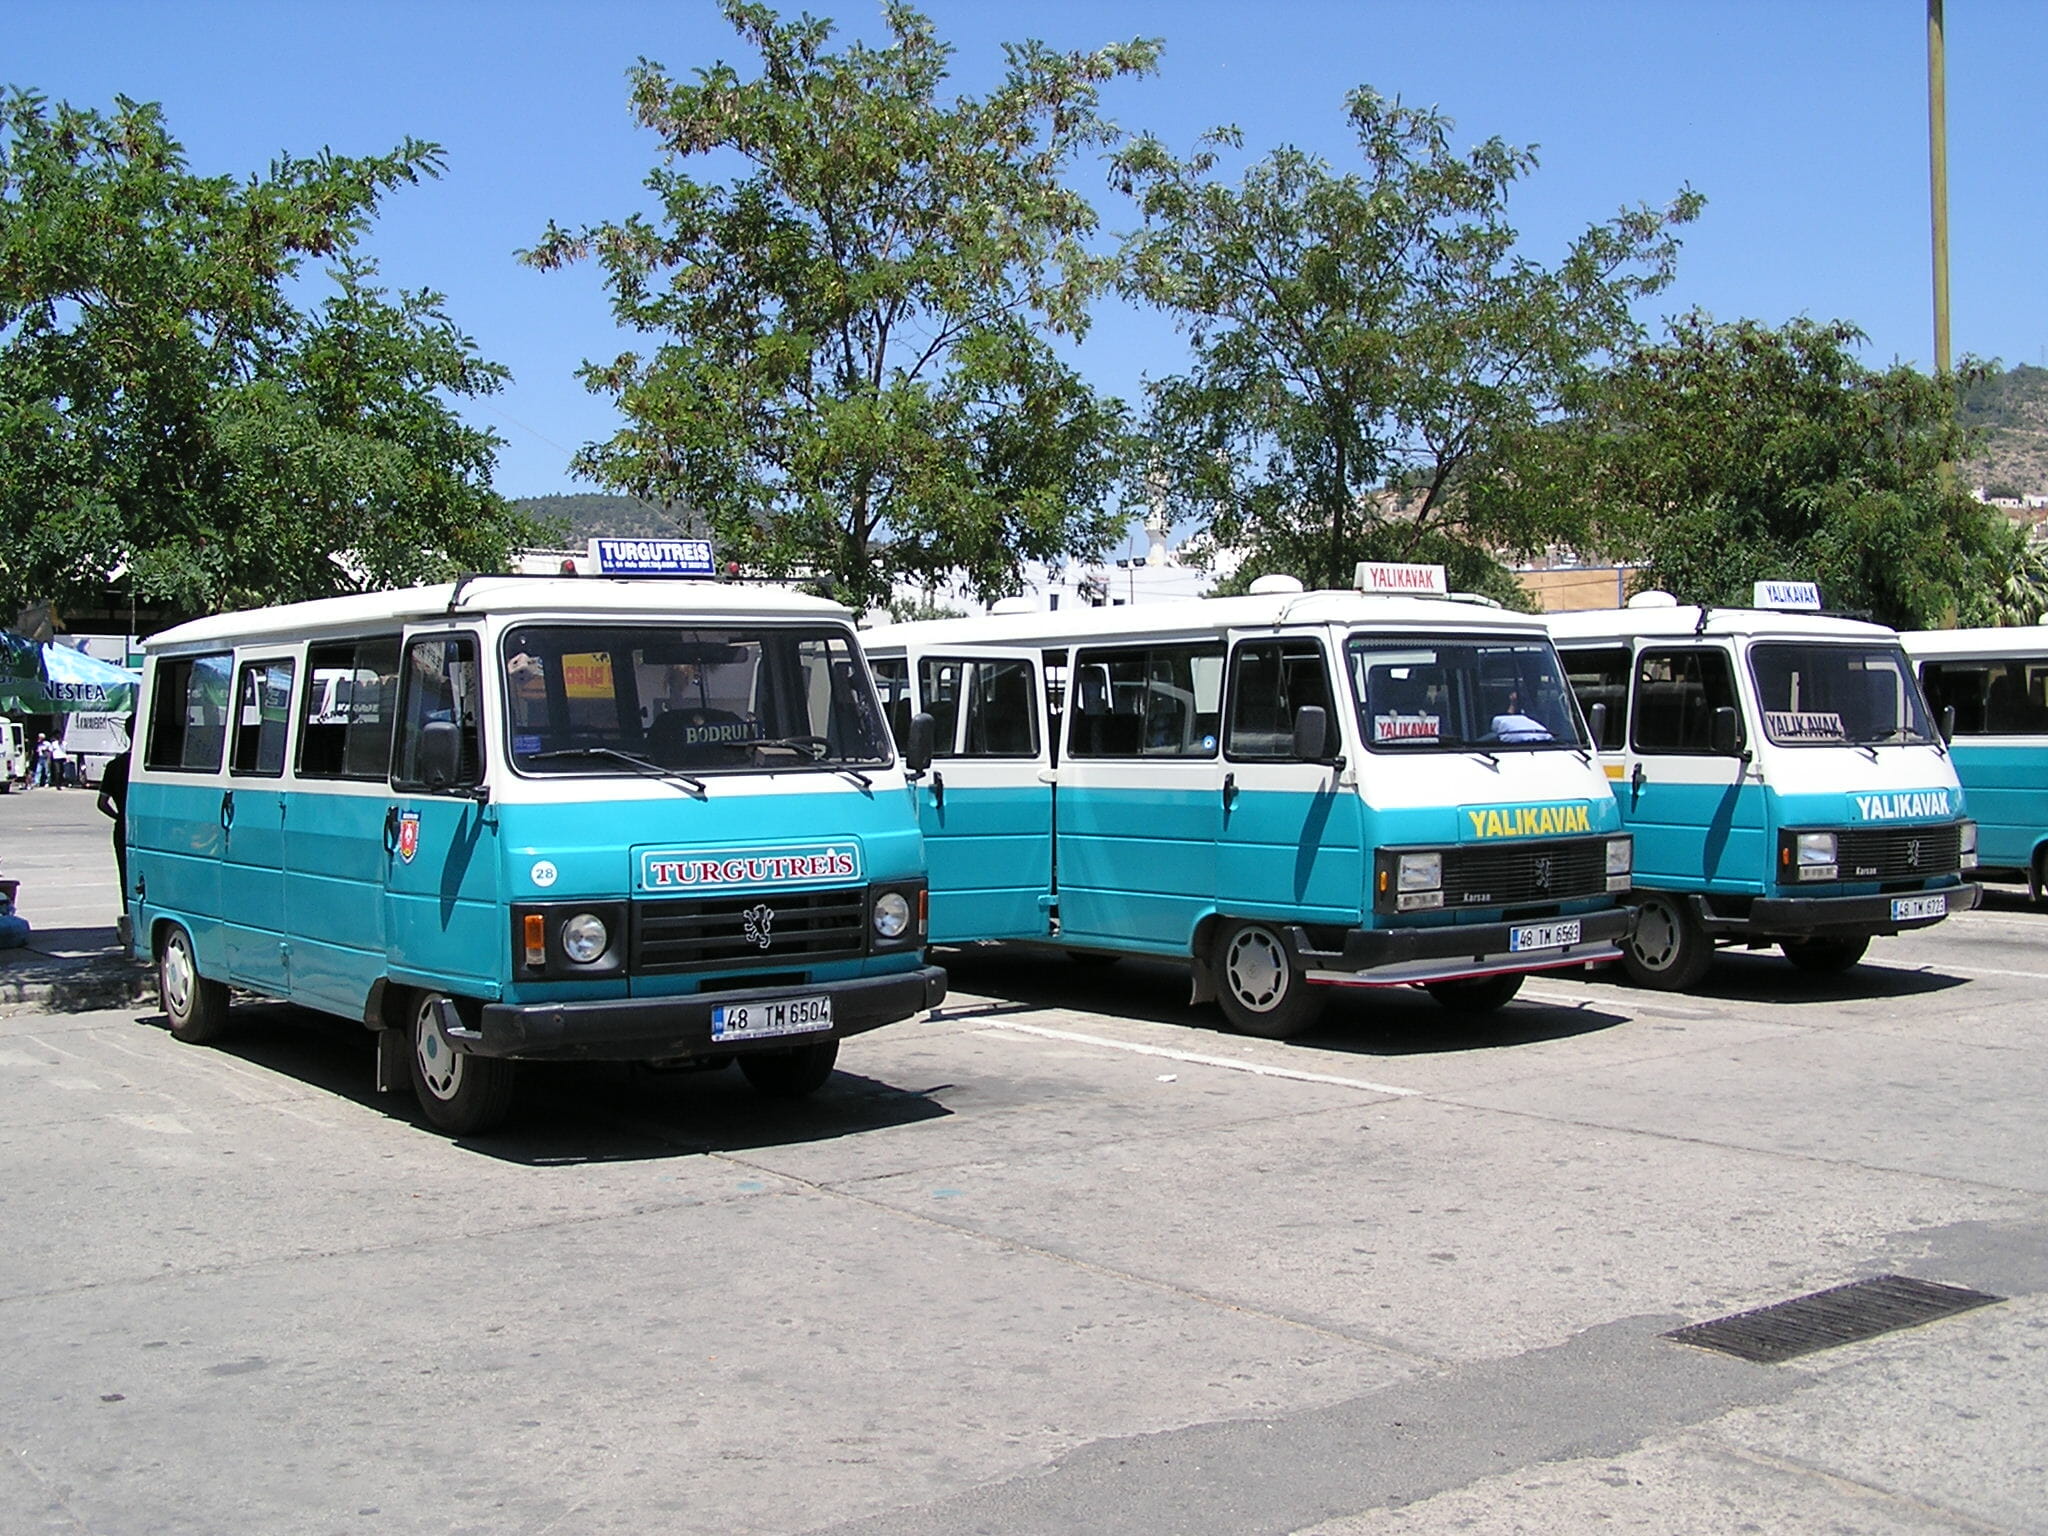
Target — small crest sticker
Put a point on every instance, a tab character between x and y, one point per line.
408	834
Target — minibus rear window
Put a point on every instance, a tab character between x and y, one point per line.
188	714
1814	695
593	698
1418	693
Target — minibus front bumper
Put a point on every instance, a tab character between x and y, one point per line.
1874	916
661	1028
1394	957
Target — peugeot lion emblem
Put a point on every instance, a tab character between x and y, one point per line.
757	920
1542	872
1913	853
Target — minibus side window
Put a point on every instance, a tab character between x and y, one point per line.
263	717
1676	694
892	681
189	713
1270	680
984	707
347	709
1161	701
1991	698
438	684
1601	677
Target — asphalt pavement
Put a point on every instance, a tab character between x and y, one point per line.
1063	1257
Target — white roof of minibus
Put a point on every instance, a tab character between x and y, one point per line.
2016	640
1201	616
1684	624
553	596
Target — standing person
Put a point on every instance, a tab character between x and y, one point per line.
114	802
42	761
60	764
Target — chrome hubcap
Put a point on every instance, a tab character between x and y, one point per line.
177	977
440	1063
1257	970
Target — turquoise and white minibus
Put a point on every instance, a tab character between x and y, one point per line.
1293	790
1991	685
531	819
1783	778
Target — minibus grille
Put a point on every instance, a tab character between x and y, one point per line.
1899	853
1517	874
764	928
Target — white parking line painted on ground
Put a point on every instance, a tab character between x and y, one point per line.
1194	1058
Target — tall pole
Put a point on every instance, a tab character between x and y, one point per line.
1937	145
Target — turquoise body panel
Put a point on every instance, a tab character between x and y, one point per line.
2007	787
1700	837
989	851
1297	855
1137	868
307	895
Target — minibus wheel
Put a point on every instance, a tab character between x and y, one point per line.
459	1093
1475	995
1669	950
791	1074
1260	985
197	1008
1824	955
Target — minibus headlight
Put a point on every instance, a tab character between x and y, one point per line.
1421	871
1967	833
1814	855
892	915
584	938
1621	855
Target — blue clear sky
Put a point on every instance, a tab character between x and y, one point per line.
1803	121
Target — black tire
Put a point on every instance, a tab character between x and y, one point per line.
197	1008
1260	985
1669	950
1472	996
792	1074
461	1094
1824	957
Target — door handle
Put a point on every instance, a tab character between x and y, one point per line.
227	809
938	791
390	829
1229	792
1635	783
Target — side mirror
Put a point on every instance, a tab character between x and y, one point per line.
1596	722
1724	736
440	755
1948	722
1311	733
917	751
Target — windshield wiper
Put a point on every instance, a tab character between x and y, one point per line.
646	766
815	748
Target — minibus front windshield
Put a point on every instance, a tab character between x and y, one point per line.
1823	695
692	700
1418	693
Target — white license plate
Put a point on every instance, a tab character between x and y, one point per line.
1904	907
771	1016
1542	936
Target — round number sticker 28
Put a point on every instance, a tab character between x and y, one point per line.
544	873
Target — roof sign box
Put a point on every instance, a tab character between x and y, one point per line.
1387	578
1800	595
652	557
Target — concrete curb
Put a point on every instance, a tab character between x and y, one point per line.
71	983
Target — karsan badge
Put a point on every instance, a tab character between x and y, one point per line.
408	834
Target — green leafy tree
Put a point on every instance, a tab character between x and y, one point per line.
1726	454
853	375
1369	347
174	428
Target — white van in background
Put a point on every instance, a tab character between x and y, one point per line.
15	763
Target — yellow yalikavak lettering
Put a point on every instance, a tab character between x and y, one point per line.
1531	821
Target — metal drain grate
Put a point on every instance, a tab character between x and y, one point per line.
1842	1314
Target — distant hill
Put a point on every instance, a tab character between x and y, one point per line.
599	516
2010	410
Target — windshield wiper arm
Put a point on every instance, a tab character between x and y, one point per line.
645	766
816	747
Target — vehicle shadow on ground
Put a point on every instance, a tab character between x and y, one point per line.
1742	977
573	1113
2008	898
1359	1021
